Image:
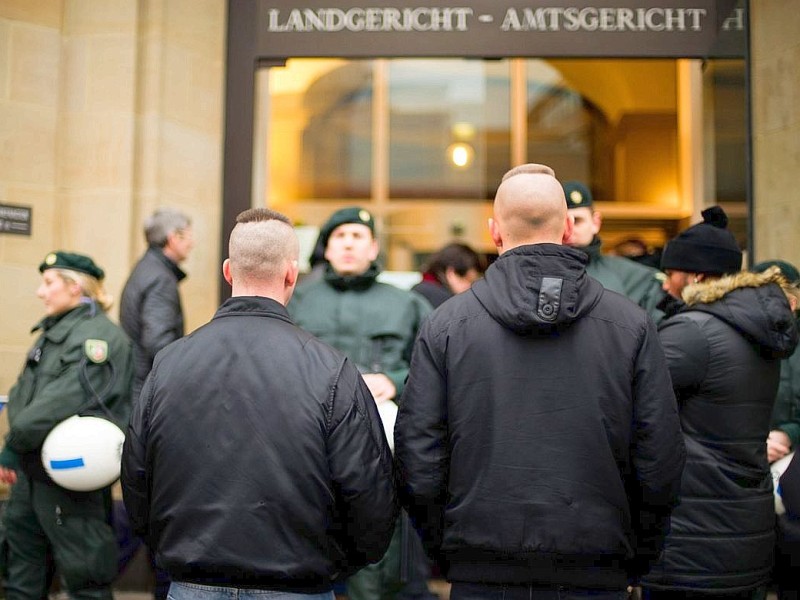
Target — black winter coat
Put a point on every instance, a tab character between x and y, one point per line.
150	310
723	350
538	437
255	457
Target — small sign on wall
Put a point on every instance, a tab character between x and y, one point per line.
15	219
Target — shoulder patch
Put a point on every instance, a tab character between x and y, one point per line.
96	351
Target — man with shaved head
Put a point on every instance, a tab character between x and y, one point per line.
255	461
538	445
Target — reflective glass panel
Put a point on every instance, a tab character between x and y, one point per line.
611	124
320	130
449	128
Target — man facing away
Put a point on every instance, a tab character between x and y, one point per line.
150	310
255	459
537	443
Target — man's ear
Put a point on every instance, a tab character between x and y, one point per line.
494	232
374	250
597	221
226	271
292	273
569	228
290	281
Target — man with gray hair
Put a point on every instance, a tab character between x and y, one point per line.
151	314
287	476
150	310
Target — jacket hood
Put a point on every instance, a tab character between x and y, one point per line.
538	288
752	303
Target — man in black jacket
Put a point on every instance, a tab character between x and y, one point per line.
151	314
255	457
150	310
538	442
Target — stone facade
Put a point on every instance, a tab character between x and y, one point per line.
107	110
775	49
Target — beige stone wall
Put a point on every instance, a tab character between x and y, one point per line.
776	129
107	110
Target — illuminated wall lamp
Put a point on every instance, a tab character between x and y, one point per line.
461	155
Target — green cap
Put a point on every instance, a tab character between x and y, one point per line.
351	214
577	194
788	270
72	261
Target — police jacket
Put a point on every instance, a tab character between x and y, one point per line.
640	283
538	437
81	361
255	457
150	309
723	350
373	323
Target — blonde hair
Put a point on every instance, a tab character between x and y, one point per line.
90	286
261	244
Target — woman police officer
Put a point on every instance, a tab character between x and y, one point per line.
81	364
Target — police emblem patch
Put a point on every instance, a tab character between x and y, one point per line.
50	259
96	350
364	216
575	197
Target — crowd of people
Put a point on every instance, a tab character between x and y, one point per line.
559	424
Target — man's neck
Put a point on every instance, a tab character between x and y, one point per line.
263	291
170	255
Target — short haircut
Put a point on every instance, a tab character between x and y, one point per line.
460	257
529	169
163	222
261	243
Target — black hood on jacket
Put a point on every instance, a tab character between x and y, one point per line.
538	288
753	304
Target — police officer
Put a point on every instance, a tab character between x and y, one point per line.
640	283
374	324
81	364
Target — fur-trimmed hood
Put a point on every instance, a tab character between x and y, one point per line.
712	290
752	303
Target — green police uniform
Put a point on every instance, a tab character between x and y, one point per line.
80	358
375	325
640	283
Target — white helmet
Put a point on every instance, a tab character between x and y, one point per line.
83	453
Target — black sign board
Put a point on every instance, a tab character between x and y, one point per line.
496	29
15	219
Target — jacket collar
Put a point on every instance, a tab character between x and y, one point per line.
351	282
253	305
56	328
159	255
593	249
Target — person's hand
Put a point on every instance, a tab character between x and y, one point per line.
381	386
778	445
8	476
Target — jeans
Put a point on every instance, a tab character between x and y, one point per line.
194	591
491	591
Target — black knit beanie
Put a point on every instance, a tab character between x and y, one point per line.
707	247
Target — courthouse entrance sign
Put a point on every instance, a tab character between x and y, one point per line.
269	32
492	29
